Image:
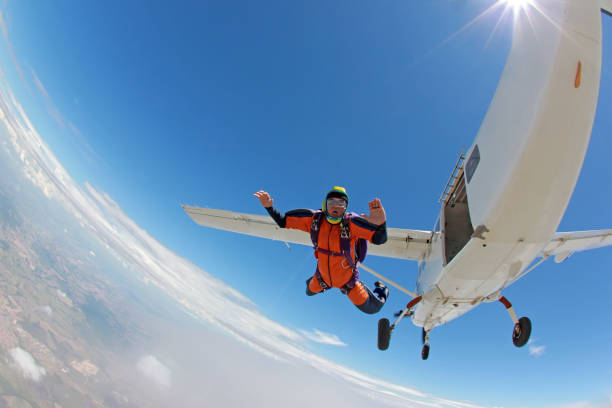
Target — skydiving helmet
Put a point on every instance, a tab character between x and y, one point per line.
335	193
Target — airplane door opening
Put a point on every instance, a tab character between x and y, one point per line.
455	214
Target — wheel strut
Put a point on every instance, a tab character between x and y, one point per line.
407	311
508	305
384	330
522	326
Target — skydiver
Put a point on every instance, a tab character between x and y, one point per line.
340	241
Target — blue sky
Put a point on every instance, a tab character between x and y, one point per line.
204	103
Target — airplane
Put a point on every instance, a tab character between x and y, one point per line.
506	196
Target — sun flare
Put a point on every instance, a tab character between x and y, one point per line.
518	4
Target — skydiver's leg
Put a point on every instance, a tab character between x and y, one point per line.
312	286
366	300
381	291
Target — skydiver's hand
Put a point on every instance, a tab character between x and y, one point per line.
264	198
377	213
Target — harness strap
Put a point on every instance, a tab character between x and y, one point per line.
345	247
322	283
330	253
344	289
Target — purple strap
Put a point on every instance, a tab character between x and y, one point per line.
345	247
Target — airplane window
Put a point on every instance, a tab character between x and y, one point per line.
472	163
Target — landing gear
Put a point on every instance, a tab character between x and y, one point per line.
425	350
521	332
522	326
384	330
384	334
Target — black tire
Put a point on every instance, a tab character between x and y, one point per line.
521	332
384	334
425	352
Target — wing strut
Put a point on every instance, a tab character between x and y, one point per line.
389	281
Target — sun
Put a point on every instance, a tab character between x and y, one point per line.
518	4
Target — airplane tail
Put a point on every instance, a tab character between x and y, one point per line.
606	7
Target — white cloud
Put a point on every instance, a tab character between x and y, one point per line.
47	309
536	351
39	85
56	115
51	108
323	338
86	150
9	46
154	370
27	364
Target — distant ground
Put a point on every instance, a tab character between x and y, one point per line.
58	303
73	328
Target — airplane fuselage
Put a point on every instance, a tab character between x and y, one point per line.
520	172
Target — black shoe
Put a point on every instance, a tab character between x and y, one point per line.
381	291
308	292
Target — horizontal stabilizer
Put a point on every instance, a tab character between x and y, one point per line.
401	243
564	244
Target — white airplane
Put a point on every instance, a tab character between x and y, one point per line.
502	206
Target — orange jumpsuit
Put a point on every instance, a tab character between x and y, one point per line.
334	270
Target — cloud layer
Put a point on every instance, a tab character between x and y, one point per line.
322	337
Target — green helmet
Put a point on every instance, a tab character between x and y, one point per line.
339	192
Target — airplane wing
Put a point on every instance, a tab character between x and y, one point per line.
401	243
606	7
564	244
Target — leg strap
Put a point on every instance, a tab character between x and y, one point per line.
322	283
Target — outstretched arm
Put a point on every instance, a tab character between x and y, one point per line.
377	218
268	203
377	213
294	219
264	198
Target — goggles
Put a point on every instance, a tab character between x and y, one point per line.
336	202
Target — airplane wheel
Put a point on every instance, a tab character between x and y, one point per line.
425	352
521	332
384	334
